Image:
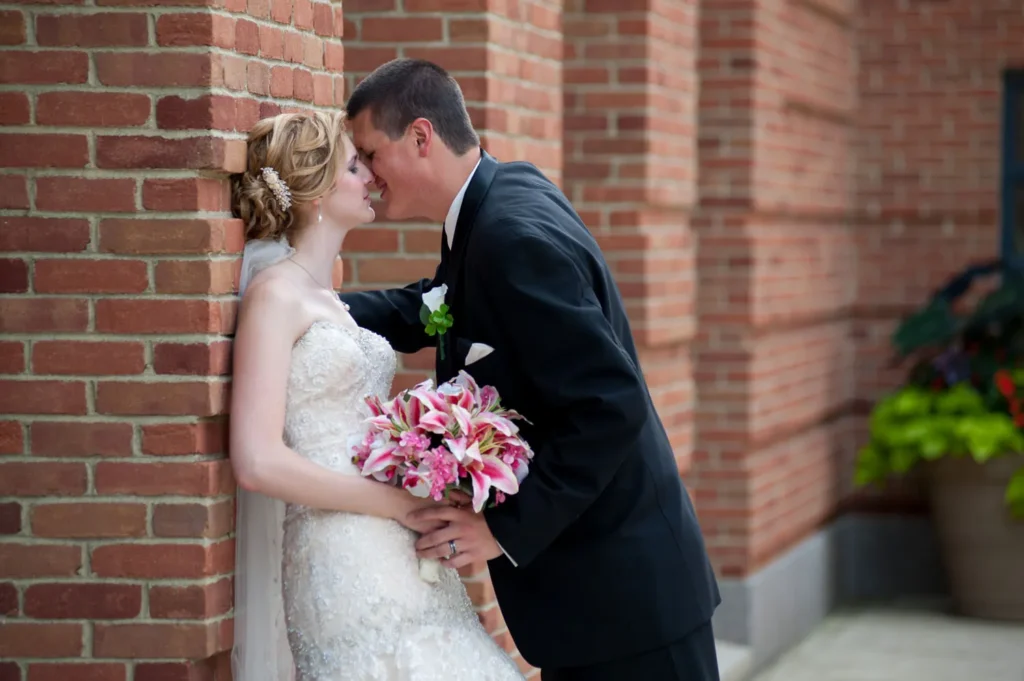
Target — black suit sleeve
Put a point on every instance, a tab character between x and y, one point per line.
590	397
395	313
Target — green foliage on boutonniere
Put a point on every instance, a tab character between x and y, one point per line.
435	315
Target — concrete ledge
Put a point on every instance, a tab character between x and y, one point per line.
860	557
734	661
886	558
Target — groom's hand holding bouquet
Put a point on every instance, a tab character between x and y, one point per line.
455	443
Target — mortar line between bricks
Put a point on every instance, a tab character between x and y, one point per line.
143	420
135	459
173	582
90	478
86	337
120	173
86	569
213	298
151	19
144	612
125	131
30	28
31	274
159	379
152	91
205	621
88	631
127	499
91	544
114	256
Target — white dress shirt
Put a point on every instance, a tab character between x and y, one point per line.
452	218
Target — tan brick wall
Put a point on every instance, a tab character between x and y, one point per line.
929	153
630	169
120	123
776	277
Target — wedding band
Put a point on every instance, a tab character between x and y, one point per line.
451	547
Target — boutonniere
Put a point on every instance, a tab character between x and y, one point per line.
434	315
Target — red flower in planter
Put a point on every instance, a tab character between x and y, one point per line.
1004	383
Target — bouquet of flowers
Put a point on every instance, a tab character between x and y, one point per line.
455	437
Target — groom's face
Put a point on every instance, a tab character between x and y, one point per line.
394	164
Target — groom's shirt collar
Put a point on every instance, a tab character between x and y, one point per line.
453	212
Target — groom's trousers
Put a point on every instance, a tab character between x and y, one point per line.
691	658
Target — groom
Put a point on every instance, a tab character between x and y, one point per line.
598	562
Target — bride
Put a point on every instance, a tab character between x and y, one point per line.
327	585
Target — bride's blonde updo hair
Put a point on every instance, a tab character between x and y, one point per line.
291	160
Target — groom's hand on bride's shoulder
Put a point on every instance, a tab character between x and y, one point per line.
469	532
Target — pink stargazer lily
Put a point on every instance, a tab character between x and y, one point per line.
425	393
456	436
383	456
436	422
487	472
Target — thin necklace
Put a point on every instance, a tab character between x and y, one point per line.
315	280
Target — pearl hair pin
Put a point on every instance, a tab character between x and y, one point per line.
277	187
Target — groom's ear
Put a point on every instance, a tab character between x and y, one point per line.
422	133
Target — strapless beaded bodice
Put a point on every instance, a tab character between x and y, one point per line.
334	368
355	606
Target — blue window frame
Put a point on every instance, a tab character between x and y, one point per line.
1013	166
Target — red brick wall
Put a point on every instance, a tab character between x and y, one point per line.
118	264
774	362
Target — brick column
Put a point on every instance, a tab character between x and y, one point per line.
777	273
630	169
116	294
507	59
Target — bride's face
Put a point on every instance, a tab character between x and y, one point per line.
348	201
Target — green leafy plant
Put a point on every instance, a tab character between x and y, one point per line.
964	394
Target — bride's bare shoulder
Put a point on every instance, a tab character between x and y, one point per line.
273	296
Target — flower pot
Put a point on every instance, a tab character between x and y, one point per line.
982	545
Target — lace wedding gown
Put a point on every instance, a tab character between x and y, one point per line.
355	606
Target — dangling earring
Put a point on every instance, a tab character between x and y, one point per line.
319	214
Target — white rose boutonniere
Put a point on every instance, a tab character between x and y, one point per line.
434	315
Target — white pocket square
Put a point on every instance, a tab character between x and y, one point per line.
477	352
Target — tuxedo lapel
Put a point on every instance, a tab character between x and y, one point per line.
471	202
442	366
452	259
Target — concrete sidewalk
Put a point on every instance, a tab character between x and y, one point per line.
903	644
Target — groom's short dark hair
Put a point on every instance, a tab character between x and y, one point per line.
402	90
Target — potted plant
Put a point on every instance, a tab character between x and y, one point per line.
960	413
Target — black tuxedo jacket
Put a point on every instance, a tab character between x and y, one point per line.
609	556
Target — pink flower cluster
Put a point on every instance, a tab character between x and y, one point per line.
457	436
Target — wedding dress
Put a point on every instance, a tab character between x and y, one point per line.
355	606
